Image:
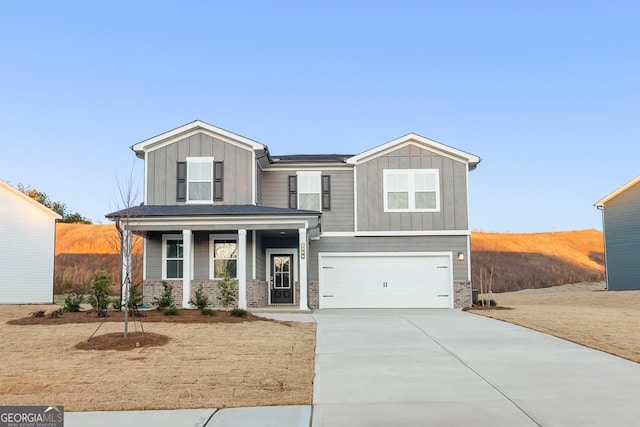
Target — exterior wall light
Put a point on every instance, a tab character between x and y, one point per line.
460	256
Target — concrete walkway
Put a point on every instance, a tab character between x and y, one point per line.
432	367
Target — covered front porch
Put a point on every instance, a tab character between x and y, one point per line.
264	250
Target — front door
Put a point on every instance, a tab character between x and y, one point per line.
281	279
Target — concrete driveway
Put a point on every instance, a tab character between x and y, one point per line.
447	367
431	368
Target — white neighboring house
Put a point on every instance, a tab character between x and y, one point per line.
28	233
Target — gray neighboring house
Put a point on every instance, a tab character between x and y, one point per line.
385	228
621	228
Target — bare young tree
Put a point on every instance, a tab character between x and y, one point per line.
128	196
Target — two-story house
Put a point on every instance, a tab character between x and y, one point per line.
388	227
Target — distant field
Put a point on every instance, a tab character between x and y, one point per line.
82	249
519	261
88	239
536	260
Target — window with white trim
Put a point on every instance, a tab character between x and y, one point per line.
224	256
199	179
172	257
411	190
309	190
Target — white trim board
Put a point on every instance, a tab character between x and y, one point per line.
395	233
418	141
189	129
600	203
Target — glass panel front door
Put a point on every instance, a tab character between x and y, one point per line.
281	279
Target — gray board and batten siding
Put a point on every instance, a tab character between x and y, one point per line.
162	169
453	244
621	223
453	213
338	218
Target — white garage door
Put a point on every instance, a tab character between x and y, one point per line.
371	280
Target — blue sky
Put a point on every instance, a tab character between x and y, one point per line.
546	92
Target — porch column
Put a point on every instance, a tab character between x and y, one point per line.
186	268
242	269
303	251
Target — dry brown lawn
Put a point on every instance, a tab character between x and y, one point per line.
203	365
582	313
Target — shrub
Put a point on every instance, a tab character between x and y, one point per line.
200	300
135	297
170	311
228	291
99	290
238	312
487	302
72	302
207	312
38	313
116	303
165	300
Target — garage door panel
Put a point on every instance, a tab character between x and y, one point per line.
373	281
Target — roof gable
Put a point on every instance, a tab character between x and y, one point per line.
600	203
28	200
192	128
420	141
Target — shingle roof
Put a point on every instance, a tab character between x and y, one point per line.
206	210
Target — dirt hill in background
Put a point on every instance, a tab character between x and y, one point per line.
519	261
536	260
82	249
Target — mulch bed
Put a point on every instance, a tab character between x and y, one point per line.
116	341
183	316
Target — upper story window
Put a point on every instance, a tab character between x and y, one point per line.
411	190
200	180
309	194
310	190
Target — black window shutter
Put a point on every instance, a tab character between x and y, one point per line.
218	180
293	191
181	189
326	192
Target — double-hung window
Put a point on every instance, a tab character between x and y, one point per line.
173	257
411	190
224	256
199	179
309	191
